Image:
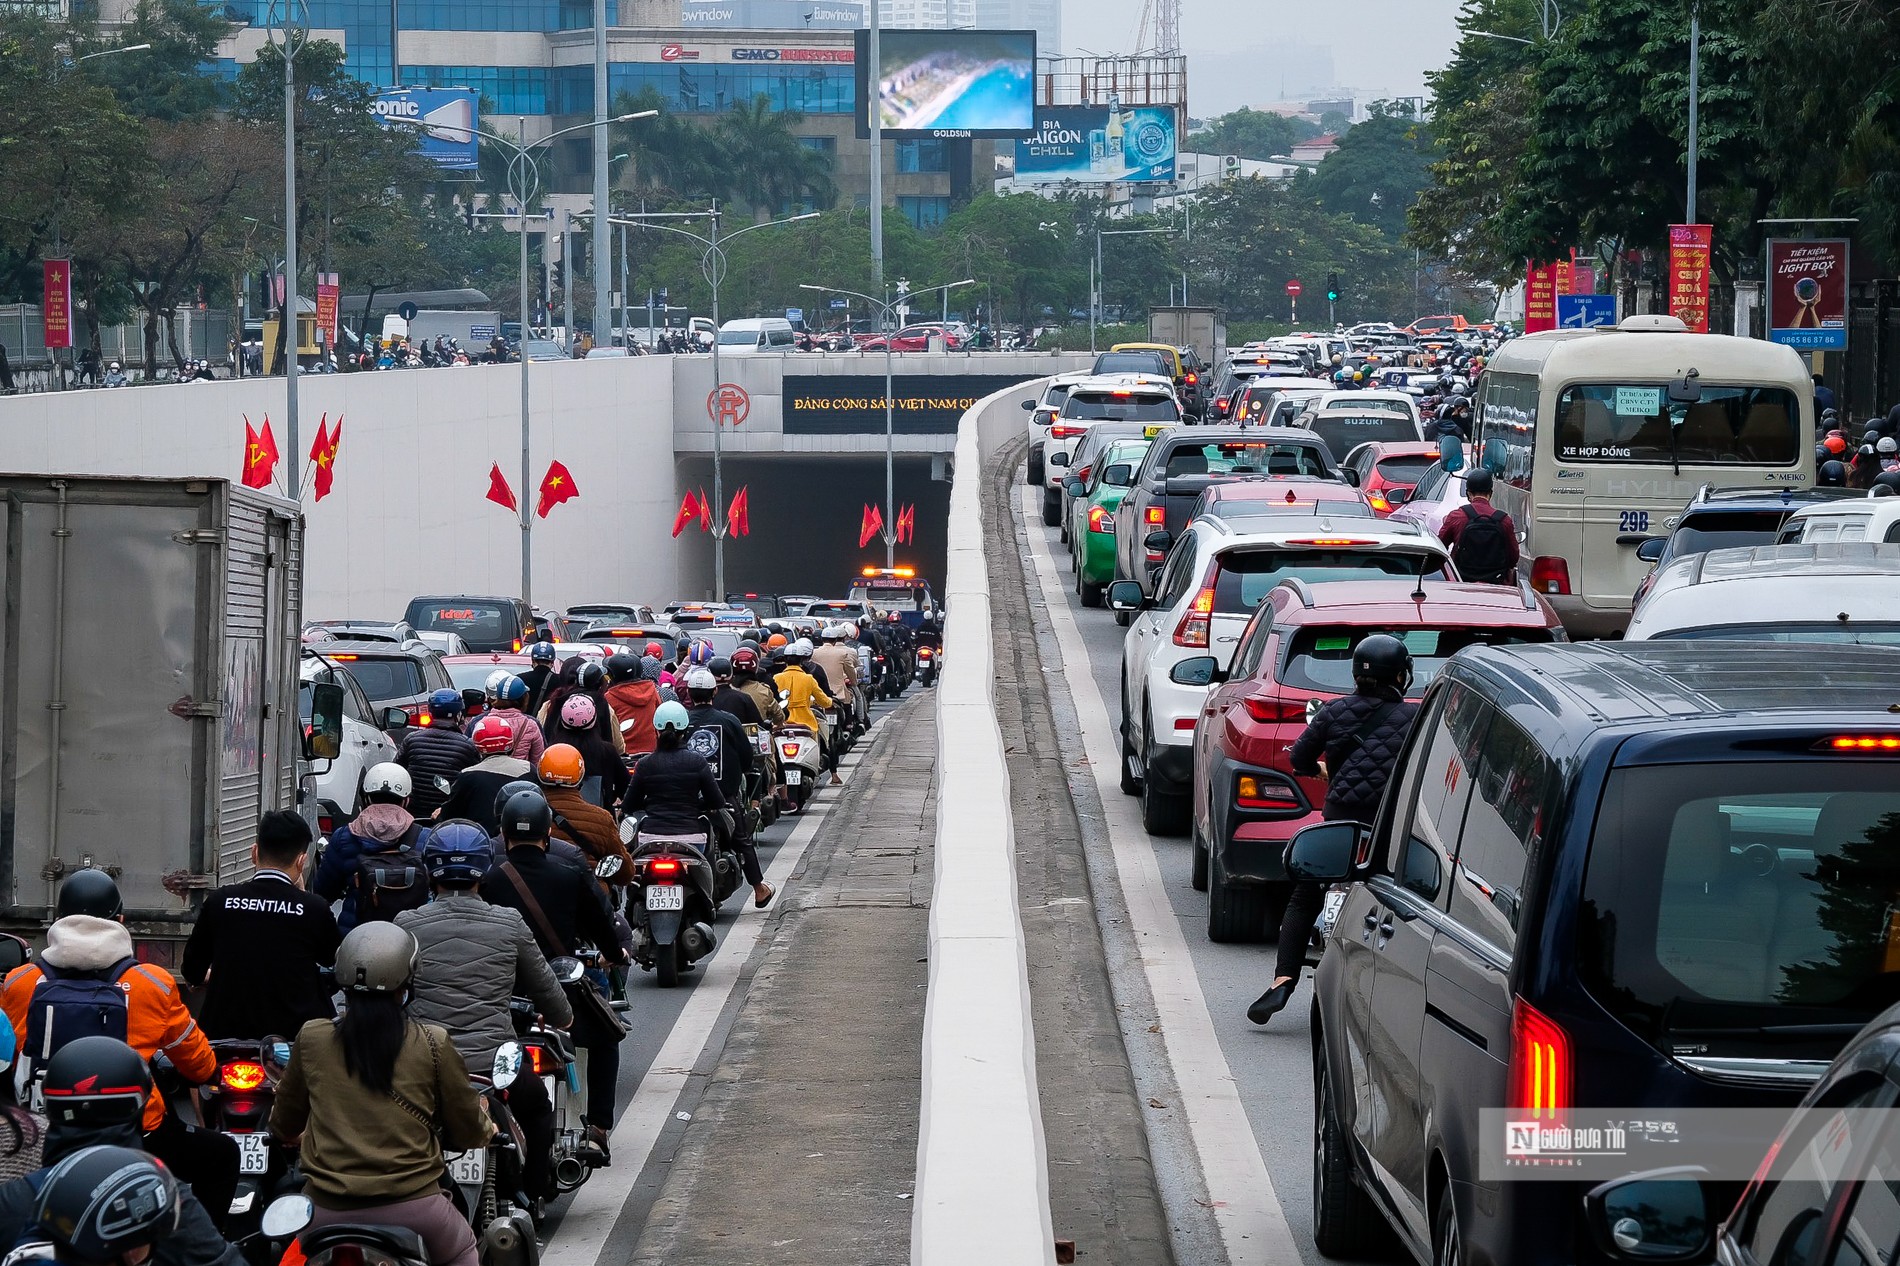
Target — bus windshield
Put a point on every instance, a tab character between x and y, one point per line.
1728	426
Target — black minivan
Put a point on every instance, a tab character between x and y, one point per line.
1608	878
485	624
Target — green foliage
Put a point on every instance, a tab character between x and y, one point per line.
1259	134
1377	172
168	81
750	155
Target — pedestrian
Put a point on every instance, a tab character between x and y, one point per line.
1823	394
6	371
1360	737
1482	538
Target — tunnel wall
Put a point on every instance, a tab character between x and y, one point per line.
982	1191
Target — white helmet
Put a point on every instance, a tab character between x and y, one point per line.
492	687
701	679
801	649
387	778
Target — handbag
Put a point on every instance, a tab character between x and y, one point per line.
581	995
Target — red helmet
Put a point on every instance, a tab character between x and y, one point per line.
656	650
745	659
493	735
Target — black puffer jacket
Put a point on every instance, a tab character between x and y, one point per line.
428	752
674	788
1359	765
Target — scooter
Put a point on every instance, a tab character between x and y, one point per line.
802	760
549	1053
762	805
484	1178
237	1103
926	674
672	904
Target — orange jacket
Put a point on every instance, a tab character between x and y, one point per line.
156	1019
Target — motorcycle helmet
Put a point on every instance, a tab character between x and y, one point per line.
96	1080
1832	474
376	957
562	766
526	816
593	676
458	853
721	668
801	649
623	667
776	641
700	681
492	685
446	703
1887	446
745	660
103	1202
700	653
671	716
493	735
578	712
90	891
512	692
542	652
1382	660
508	789
655	650
387	779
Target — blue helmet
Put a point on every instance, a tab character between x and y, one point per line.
701	654
512	691
446	703
458	852
542	652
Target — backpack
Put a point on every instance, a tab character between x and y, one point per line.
73	1004
709	741
393	880
1483	550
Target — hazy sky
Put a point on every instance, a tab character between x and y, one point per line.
1380	47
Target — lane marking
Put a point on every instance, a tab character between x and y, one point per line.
1247	1210
581	1238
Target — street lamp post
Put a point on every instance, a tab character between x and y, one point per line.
713	266
890	397
288	34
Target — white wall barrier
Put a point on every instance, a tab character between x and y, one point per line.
982	1192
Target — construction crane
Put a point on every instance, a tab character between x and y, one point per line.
1160	27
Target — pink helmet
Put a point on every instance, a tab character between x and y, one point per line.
578	713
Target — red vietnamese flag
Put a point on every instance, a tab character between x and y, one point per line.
498	490
705	511
689	510
260	455
556	486
323	455
872	525
907	525
738	519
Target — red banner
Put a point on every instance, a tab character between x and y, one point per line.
57	307
327	292
1540	299
1689	246
1807	293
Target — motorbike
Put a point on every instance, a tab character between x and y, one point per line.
550	1054
674	900
484	1178
926	674
802	760
237	1103
761	804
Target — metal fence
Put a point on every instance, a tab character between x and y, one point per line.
202	335
1867	381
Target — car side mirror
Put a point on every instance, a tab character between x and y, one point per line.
1159	542
1659	1216
1350	475
1651	551
324	738
1126	595
1202	670
1057	459
395	719
1029	406
1074	487
474	700
1120	475
1397	496
1323	853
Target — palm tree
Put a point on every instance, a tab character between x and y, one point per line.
768	165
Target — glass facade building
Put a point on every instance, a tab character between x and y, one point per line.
711	88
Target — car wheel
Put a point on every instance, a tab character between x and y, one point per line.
1131	784
1162	812
1035	472
1092	594
1448	1242
1236	913
1343	1216
1199	876
1051	508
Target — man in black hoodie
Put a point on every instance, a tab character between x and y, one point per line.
95	1089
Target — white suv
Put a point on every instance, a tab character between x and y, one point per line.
1832	593
1107	398
1042	415
1854	519
339	785
1205	593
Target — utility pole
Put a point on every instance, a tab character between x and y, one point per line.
603	252
873	73
1695	68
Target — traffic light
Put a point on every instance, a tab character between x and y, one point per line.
560	274
1332	287
541	278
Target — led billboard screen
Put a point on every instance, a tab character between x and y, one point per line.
951	83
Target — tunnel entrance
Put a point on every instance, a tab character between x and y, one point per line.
806	512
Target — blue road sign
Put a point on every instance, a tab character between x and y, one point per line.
1581	312
838	305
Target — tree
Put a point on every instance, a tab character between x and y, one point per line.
168	81
1378	170
1259	134
769	167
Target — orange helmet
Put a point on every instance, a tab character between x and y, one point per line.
561	766
776	640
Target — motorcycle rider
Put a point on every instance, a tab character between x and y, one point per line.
730	698
510	694
840	667
384	825
103	1206
747	681
473	958
804	698
1360	736
719	737
439	749
88	967
632	698
373	1097
563	907
578	727
259	948
540	676
95	1090
577	819
473	796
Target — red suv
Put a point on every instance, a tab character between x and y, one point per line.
1296	655
1387	471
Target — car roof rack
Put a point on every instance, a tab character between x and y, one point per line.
1299	590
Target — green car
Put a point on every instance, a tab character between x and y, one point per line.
1092	527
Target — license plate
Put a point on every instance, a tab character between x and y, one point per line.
253	1153
1329	911
793	777
666	897
468	1169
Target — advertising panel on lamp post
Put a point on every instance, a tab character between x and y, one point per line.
1689	247
1540	298
58	307
1807	293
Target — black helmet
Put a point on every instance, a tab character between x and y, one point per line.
90	891
623	667
592	676
1382	660
101	1202
508	790
96	1080
1832	474
526	816
721	668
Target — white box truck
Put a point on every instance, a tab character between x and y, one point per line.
1203	329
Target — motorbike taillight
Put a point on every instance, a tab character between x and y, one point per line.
665	870
242	1074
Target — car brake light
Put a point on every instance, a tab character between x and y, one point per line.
1540	1064
344	658
1184	723
1100	520
1331	540
242	1074
1252	792
1192	378
1157	516
325	825
1550	574
1270	710
1062	431
1198	623
664	869
1378	501
1083	474
1865	743
421	719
